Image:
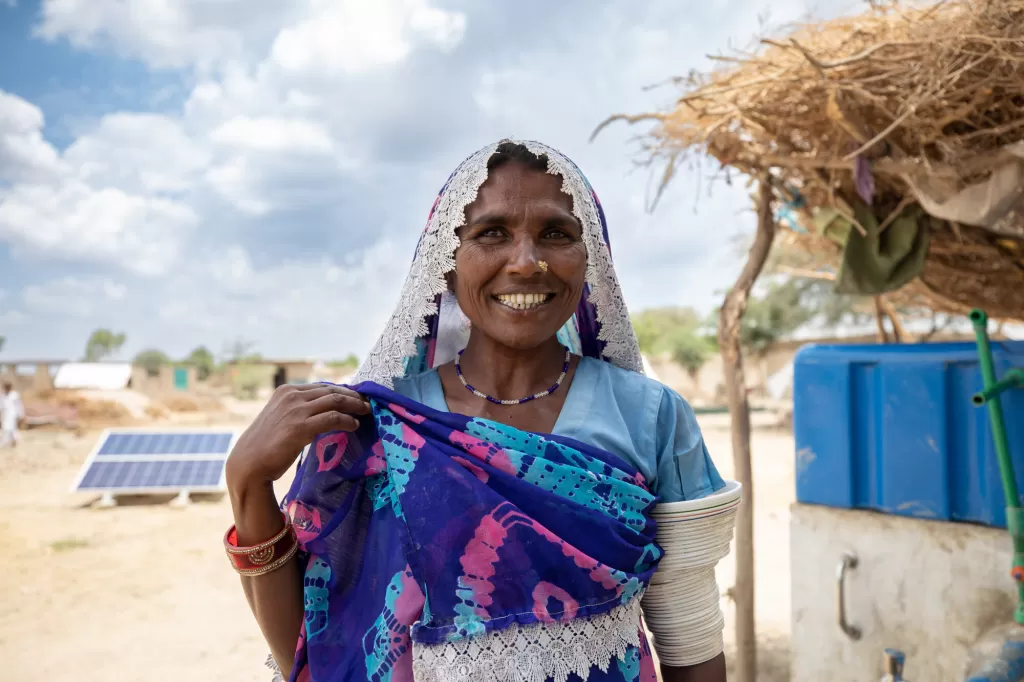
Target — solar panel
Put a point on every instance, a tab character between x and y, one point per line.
127	461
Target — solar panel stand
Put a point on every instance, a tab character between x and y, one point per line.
106	501
182	500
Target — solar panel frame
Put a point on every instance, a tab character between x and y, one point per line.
193	460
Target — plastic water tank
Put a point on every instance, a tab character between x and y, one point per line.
891	428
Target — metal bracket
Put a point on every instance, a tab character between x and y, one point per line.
852	631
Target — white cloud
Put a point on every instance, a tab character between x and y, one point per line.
23	151
168	33
72	296
138	152
106	198
12	317
324	301
346	35
353	36
74	221
274	135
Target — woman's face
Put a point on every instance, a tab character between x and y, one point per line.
520	220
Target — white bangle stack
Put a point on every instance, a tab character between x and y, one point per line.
682	604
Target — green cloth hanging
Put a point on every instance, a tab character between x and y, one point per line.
877	263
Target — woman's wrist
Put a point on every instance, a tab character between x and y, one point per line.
254	505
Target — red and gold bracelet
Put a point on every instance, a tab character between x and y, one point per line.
265	557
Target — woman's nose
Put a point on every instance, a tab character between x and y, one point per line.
525	259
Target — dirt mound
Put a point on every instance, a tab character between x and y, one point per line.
74	409
190	403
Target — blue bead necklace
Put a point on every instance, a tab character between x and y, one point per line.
520	401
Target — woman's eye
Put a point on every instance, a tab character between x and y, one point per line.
557	233
491	232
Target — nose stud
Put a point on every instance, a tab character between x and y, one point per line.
543	265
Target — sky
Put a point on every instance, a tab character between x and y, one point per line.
205	172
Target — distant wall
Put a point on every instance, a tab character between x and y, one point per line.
162	381
28	376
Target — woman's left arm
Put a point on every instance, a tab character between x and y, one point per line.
685	472
711	671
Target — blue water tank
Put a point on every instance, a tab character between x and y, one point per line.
892	428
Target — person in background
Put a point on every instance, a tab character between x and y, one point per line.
11	410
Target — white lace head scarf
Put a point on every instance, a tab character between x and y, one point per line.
428	328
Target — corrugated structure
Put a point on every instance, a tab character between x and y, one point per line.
892	429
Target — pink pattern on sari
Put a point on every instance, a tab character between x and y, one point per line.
482	450
545	591
406	414
329	461
376	463
306	521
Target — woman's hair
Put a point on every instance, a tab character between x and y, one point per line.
509	152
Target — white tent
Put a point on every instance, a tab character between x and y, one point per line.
780	384
104	376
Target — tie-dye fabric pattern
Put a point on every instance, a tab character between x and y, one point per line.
489	525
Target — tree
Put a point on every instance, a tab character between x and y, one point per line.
102	344
242	351
202	359
152	360
689	350
246	375
349	362
774	315
677	332
730	333
3	340
655	325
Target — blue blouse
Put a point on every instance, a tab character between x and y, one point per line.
639	419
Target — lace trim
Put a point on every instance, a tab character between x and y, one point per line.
621	347
533	653
435	257
272	664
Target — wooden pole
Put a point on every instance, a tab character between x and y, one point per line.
898	332
733	309
883	335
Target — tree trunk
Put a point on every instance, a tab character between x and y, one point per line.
898	332
883	335
733	309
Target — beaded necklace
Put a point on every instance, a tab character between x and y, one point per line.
520	401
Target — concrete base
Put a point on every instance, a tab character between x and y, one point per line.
927	588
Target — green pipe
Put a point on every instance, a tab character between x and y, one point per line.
1013	378
995	410
990	396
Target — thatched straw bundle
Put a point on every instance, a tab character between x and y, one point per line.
931	96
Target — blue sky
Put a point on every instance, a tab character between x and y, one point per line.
194	173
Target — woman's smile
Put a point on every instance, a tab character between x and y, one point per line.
524	301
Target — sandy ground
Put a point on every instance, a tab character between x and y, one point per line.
143	592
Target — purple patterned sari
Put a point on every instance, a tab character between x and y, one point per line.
427	527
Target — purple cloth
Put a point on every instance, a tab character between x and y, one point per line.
427	526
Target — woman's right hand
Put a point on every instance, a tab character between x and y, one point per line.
291	420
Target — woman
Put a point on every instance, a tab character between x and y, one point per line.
492	500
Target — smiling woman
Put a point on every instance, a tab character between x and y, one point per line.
502	496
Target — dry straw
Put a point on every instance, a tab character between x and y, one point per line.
936	91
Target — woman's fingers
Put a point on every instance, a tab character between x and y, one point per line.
313	391
347	402
325	422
